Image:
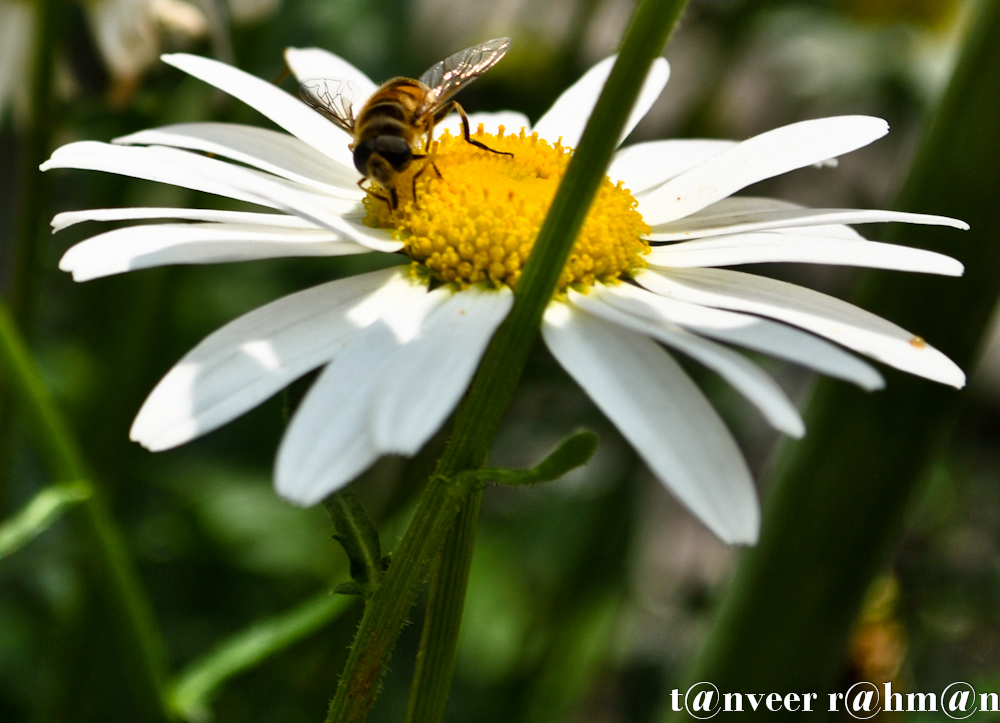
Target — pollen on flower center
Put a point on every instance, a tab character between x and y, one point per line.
479	219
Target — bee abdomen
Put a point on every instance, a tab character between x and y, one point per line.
380	125
388	108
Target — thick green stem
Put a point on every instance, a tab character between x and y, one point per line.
387	609
442	624
62	456
439	641
840	495
479	416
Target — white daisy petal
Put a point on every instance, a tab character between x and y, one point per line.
750	332
716	217
137	163
318	63
239	366
663	414
746	377
437	367
756	248
271	101
647	165
821	314
327	443
324	447
256	187
277	153
726	221
71	218
568	116
512	123
837	231
764	156
187	170
143	247
377	239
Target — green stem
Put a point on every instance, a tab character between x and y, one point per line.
125	592
39	514
192	689
34	151
387	609
479	415
442	623
839	497
56	444
439	640
62	456
33	200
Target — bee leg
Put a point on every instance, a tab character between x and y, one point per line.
419	173
432	163
383	199
467	136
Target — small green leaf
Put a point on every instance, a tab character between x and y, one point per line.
356	533
574	451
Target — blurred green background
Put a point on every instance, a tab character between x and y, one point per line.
589	596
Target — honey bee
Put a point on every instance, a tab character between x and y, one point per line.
387	131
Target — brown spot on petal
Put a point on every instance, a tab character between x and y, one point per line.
918	343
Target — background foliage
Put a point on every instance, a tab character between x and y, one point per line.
589	597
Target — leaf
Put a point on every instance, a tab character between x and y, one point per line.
356	533
574	451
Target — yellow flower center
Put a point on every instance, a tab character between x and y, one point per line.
478	220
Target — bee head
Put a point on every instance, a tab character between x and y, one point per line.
382	157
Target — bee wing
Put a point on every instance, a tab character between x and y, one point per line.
333	97
453	73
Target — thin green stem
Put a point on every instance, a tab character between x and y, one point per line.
193	688
34	151
479	416
56	444
33	200
61	454
40	514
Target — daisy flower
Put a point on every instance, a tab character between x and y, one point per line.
400	345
